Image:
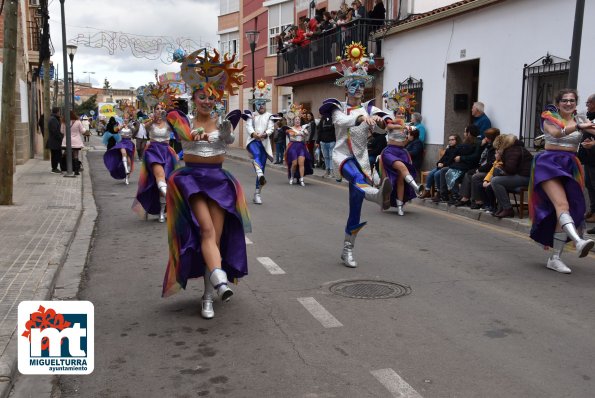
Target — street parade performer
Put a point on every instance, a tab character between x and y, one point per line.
159	159
557	181
395	161
297	157
260	128
353	121
207	214
119	159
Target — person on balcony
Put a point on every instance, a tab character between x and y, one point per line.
260	127
354	120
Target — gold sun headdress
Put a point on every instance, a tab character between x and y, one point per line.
158	93
206	70
355	54
295	110
262	92
401	100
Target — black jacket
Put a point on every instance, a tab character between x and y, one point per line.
376	143
490	157
416	151
326	130
55	138
464	151
587	156
449	154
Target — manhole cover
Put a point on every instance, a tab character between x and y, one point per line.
365	289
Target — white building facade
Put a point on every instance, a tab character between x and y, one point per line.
477	51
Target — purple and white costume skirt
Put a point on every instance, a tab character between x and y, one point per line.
112	158
389	155
185	258
294	150
548	165
147	195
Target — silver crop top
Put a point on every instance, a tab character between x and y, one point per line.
125	132
159	134
300	136
214	146
571	140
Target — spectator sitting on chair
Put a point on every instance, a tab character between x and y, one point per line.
514	172
463	161
415	148
444	161
480	119
417	125
472	187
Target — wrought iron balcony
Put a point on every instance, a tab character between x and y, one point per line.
325	47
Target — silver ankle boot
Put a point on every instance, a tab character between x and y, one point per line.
555	262
219	280
125	162
206	310
583	246
162	185
400	208
347	254
380	195
419	189
162	211
257	199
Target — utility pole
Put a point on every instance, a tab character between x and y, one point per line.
7	122
575	53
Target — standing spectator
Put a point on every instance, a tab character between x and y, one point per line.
417	125
480	119
586	154
514	172
378	12
87	127
76	140
310	122
326	140
360	10
280	138
54	142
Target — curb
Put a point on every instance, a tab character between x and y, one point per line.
58	279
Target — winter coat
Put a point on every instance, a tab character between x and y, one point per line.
326	130
416	151
515	157
76	134
55	138
449	155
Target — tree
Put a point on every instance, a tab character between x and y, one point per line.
86	106
106	84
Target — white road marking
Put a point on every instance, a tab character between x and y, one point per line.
318	312
248	241
270	265
395	384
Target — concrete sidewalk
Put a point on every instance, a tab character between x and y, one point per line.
39	235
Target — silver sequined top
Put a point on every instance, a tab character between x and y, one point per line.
159	134
125	132
571	140
214	146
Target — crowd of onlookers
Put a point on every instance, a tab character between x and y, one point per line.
326	22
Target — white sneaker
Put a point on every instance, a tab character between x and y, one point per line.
291	181
302	183
557	265
257	199
584	247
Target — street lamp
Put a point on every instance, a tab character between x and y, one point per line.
66	111
89	75
252	37
71	50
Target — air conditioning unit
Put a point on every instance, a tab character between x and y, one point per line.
34	3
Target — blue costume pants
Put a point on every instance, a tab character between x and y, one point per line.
352	173
259	156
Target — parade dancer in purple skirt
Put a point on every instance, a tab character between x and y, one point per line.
119	159
557	181
395	161
354	120
207	212
297	157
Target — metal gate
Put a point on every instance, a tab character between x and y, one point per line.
541	82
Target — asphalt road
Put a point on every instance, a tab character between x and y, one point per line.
484	318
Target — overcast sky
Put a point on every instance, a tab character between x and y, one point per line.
194	19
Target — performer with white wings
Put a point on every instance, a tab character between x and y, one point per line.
353	121
260	127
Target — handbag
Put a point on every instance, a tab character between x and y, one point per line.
452	175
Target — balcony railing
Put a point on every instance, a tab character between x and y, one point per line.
34	36
324	49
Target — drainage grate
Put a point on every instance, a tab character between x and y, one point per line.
368	289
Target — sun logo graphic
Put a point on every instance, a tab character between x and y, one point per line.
56	337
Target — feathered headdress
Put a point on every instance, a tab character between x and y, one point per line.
401	100
262	92
294	110
205	70
355	66
157	93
